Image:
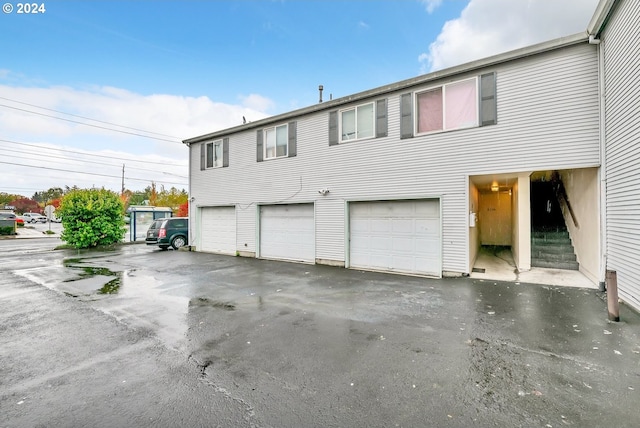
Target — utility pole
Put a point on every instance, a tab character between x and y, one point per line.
122	193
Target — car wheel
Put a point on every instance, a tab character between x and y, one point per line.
178	242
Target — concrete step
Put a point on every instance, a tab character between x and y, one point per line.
552	248
560	256
551	241
543	235
554	265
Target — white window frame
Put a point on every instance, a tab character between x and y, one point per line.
265	142
355	110
416	120
215	162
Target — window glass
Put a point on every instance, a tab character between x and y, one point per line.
430	110
210	155
270	143
357	123
275	141
461	105
218	154
281	141
349	125
365	121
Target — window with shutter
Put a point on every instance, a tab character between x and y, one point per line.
275	142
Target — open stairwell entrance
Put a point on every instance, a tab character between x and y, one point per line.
551	245
538	227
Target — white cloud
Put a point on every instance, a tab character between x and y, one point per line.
25	119
256	102
431	5
488	27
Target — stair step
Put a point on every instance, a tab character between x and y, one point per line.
554	257
554	265
552	248
550	235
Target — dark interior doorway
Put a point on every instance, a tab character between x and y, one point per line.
546	213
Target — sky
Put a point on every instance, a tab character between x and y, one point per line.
92	91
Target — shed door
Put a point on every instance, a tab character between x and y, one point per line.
218	231
397	236
287	232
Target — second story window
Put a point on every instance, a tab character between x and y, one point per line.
452	106
214	154
280	141
275	142
357	123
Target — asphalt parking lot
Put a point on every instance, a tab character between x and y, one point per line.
141	337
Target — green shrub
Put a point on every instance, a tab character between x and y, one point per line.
6	230
91	218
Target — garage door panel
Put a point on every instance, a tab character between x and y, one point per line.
399	236
287	232
218	230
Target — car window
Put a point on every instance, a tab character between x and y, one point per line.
156	224
179	223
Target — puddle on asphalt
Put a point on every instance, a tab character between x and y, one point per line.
90	279
203	301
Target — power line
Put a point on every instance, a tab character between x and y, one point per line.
88	118
48	156
91	173
81	153
88	124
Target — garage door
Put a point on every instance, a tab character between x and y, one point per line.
287	232
397	236
218	230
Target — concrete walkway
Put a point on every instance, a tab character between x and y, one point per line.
501	267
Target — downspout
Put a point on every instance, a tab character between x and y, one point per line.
603	160
190	203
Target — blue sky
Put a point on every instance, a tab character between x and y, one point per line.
221	49
183	68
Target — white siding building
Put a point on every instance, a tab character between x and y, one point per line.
616	24
393	178
416	176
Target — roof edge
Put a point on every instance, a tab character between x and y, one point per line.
600	17
524	52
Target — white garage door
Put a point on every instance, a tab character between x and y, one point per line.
398	236
287	232
218	230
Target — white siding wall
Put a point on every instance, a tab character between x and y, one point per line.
547	119
622	87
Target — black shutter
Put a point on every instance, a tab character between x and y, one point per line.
406	116
381	118
225	152
488	105
333	128
259	149
202	155
293	139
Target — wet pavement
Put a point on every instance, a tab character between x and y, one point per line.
142	337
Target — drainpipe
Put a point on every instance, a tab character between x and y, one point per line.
603	160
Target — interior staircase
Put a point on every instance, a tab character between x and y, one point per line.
552	248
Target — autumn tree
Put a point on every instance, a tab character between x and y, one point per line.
183	210
26	205
8	198
172	198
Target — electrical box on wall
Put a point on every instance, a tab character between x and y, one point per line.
472	219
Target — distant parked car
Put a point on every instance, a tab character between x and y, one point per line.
55	219
34	218
165	232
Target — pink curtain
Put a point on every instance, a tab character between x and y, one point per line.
461	105
430	111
